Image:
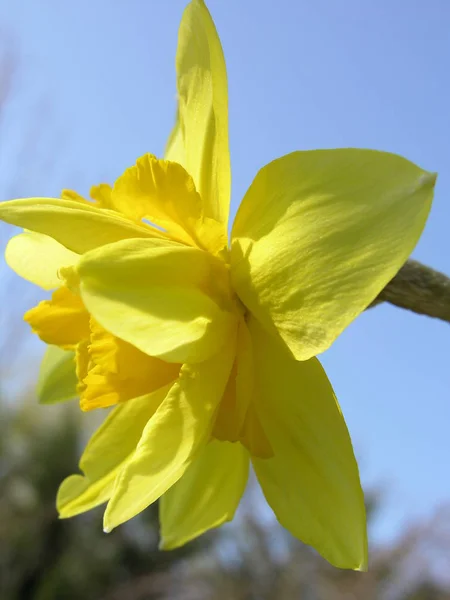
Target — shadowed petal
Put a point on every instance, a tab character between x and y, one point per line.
206	496
312	481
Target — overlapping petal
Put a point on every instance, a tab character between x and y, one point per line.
38	258
319	234
173	437
57	377
233	408
79	226
162	297
102	193
117	371
199	141
62	321
164	193
206	496
106	453
312	481
236	418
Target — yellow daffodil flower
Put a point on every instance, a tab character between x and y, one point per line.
207	349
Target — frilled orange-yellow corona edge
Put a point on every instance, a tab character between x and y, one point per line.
206	348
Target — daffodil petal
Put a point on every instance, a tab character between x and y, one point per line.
319	234
102	193
173	437
174	150
77	226
61	321
118	371
74	196
37	258
164	193
234	406
106	453
206	496
200	139
158	296
312	481
57	378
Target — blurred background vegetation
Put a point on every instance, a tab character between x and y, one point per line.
43	558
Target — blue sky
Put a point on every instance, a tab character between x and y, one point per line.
96	89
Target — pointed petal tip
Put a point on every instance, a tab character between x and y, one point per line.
363	567
110	522
107	526
349	561
165	545
427	180
169	543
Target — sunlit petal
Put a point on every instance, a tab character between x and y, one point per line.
200	139
118	371
107	452
319	234
38	258
77	226
62	321
173	437
162	297
164	193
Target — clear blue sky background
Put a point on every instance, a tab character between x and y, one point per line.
97	89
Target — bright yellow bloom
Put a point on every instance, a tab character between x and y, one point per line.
206	348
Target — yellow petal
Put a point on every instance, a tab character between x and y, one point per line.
102	195
57	378
200	139
163	193
106	453
172	438
239	391
118	371
37	258
82	364
206	496
160	191
74	196
319	234
61	321
236	418
312	481
160	296
253	435
174	150
77	226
